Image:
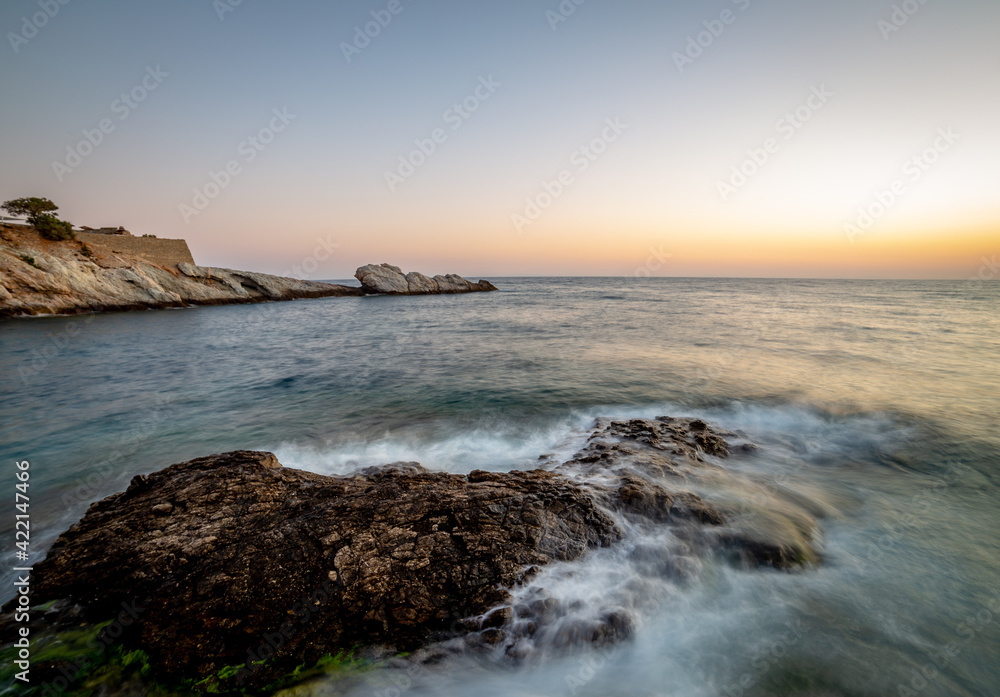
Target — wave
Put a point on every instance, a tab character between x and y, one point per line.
665	616
809	431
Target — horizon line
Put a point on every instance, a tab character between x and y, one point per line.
715	278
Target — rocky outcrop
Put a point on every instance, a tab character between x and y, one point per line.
386	279
652	463
261	286
38	276
41	277
230	554
225	550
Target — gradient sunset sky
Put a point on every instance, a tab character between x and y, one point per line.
695	89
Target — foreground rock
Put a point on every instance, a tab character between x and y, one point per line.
385	279
231	554
39	276
224	550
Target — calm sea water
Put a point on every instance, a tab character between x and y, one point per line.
877	402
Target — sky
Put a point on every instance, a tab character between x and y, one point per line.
760	138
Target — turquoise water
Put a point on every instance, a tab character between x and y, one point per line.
876	401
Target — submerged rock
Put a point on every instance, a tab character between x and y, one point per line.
650	463
233	556
386	279
666	480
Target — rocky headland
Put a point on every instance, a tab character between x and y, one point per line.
238	570
45	277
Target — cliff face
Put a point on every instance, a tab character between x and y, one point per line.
38	276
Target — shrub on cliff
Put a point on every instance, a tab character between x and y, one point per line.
39	214
51	228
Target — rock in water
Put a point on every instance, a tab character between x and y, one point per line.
223	552
233	555
450	283
419	284
383	278
386	279
651	459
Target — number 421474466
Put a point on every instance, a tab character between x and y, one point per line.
23	524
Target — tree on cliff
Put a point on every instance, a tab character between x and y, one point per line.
39	214
30	208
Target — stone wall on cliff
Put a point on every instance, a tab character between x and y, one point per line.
162	252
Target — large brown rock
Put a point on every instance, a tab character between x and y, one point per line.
224	551
232	554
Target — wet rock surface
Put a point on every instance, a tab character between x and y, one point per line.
647	472
386	279
229	553
225	551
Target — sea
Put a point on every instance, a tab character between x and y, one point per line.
875	405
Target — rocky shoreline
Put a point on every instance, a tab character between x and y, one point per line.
44	277
231	554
